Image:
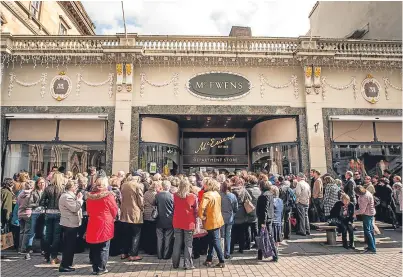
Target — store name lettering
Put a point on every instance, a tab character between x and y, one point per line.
220	85
215	160
213	143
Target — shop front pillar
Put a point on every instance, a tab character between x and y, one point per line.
316	139
123	123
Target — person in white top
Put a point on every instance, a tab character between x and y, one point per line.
70	219
303	194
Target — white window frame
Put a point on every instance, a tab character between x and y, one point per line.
35	9
63	26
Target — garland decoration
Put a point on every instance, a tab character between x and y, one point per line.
293	81
389	84
13	79
174	81
107	81
325	84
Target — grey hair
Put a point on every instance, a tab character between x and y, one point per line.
221	178
166	185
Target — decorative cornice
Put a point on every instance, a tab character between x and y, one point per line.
78	16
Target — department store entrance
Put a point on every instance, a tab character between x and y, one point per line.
222	143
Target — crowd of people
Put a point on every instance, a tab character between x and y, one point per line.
207	213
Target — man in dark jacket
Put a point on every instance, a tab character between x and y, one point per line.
265	215
357	178
349	187
165	232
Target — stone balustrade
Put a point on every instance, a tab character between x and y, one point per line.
190	45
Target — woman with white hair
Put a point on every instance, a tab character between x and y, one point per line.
70	219
102	210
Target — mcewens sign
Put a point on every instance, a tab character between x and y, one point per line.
219	85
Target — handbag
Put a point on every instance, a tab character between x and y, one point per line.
199	232
249	207
154	213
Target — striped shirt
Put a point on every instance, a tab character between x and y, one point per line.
366	204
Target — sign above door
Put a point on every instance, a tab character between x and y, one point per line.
219	85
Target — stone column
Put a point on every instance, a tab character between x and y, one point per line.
314	118
316	139
122	131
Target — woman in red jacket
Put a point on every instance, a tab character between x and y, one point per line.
184	220
102	210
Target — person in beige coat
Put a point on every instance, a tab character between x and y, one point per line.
131	213
70	219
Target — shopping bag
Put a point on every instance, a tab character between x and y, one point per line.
7	240
199	231
264	244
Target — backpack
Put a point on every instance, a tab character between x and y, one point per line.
289	198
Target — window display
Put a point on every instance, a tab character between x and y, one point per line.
42	157
368	159
158	158
282	159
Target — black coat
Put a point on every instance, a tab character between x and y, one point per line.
337	212
349	189
265	208
50	197
165	206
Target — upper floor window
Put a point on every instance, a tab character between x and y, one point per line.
35	8
62	29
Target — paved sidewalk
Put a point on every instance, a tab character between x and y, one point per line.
300	256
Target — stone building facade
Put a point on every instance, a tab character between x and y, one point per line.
182	104
45	18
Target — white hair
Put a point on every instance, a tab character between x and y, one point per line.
166	185
221	178
121	173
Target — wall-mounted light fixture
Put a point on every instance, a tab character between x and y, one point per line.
316	127
121	124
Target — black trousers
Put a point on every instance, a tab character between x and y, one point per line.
287	223
99	253
250	234
344	229
118	239
69	245
81	243
238	235
149	237
132	242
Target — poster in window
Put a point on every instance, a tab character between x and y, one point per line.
153	167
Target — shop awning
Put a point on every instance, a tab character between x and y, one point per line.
365	118
57	116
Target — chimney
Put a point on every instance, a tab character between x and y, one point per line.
239	31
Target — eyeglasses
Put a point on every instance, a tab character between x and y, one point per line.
356	174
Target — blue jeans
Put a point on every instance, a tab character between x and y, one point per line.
52	235
99	253
369	231
214	242
226	234
34	219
